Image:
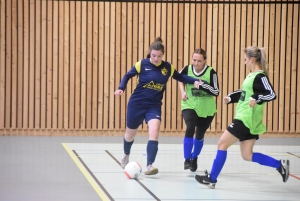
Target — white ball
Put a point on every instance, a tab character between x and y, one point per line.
132	170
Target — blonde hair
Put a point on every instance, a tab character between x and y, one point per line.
259	55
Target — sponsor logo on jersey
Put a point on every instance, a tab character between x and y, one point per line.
152	85
164	71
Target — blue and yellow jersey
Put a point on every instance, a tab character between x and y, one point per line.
152	81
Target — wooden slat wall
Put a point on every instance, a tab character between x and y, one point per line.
62	60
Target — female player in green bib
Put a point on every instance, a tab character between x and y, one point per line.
198	106
247	124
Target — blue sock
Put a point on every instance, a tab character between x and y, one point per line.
265	160
218	164
127	146
198	144
187	147
152	148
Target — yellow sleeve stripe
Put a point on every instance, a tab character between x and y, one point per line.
172	70
138	66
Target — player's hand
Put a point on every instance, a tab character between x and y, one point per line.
196	84
119	92
252	103
226	100
184	96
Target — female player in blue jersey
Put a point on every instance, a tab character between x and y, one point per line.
146	101
198	106
247	123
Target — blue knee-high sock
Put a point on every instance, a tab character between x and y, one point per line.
152	148
127	146
198	144
187	147
218	164
265	160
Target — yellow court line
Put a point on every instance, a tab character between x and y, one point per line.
86	174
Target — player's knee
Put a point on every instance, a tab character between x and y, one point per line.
247	156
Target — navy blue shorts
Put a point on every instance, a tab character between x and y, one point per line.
136	114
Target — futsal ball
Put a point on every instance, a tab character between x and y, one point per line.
132	170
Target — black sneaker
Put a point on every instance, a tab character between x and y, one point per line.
187	164
193	165
205	180
284	169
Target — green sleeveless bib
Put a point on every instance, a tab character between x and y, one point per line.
203	103
251	117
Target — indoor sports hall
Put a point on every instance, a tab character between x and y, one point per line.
62	124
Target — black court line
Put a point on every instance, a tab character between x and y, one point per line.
86	167
293	154
152	194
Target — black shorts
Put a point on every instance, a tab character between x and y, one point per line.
240	131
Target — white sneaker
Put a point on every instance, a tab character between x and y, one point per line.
150	170
284	169
124	161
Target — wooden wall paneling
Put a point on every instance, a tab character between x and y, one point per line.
123	64
288	68
255	24
95	65
140	42
186	35
214	59
14	64
276	119
281	78
89	65
117	75
238	56
158	18
32	34
265	34
83	70
192	31
37	65
243	40
294	81
106	86
8	71
49	63
231	59
2	62
198	26
130	63
66	65
78	29
60	81
147	28
152	21
208	48
225	64
220	62
168	47
20	63
101	65
112	66
271	51
298	75
176	106
72	57
180	64
173	84
43	63
203	33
